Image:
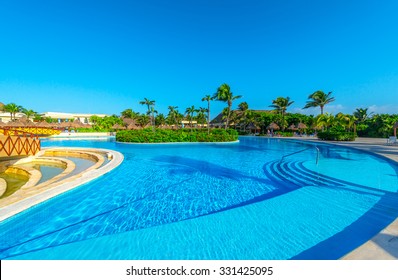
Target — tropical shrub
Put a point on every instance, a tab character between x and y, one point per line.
149	135
337	136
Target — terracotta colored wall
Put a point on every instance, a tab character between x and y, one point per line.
18	146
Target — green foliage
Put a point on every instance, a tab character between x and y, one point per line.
102	124
337	136
181	135
284	134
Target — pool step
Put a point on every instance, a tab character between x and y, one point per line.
293	174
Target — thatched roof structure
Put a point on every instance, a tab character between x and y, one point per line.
133	126
292	127
25	120
301	126
273	126
15	124
118	126
128	121
43	124
252	126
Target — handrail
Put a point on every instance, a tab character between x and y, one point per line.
288	155
317	154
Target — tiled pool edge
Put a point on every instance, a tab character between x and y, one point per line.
68	184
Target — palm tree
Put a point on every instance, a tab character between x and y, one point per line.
362	114
325	120
29	113
190	111
148	103
153	112
201	116
281	104
225	94
243	108
129	114
319	99
151	108
143	120
172	114
208	98
12	108
160	120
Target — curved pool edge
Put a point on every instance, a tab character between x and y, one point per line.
184	143
66	185
384	245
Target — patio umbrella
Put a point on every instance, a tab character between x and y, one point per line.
273	126
16	124
43	124
301	126
254	127
24	120
73	125
292	127
77	123
128	121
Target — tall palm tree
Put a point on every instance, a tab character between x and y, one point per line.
148	103
208	98
319	99
243	108
12	108
152	114
281	104
151	108
225	94
190	111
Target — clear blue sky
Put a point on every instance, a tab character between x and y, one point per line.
106	56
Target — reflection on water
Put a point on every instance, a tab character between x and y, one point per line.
14	182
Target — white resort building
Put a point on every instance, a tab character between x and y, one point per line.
64	117
5	117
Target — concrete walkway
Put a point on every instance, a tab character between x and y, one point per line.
383	246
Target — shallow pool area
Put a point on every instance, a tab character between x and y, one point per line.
13	181
260	198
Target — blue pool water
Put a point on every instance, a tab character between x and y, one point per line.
213	201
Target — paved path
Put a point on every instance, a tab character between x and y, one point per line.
383	246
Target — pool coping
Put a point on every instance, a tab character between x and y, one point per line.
66	185
384	245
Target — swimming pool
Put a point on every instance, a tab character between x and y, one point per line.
257	199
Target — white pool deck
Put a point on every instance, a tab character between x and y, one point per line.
383	246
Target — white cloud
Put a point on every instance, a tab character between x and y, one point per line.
383	109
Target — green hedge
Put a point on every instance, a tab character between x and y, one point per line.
181	135
337	136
